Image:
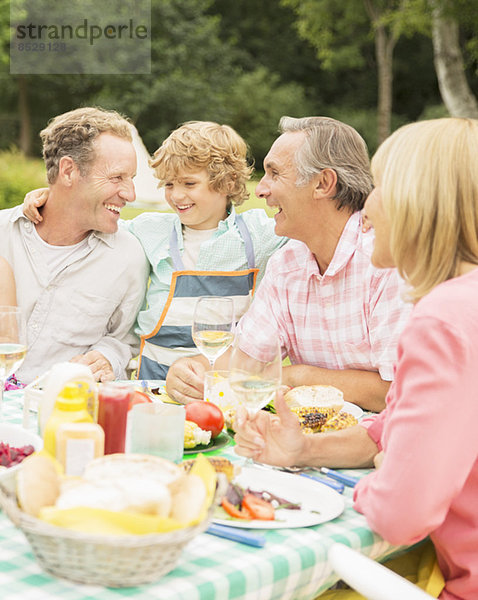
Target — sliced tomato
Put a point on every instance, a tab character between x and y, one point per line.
232	510
138	398
258	508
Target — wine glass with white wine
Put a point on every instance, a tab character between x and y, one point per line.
213	326
13	343
255	370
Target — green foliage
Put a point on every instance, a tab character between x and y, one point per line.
364	122
404	17
337	30
257	102
436	111
18	175
192	71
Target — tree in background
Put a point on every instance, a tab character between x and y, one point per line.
341	33
449	62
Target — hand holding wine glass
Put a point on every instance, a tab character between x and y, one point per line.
255	370
13	343
213	326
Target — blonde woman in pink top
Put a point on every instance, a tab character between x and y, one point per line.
424	210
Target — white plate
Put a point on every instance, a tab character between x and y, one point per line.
319	503
352	409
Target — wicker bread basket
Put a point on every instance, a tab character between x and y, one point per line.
107	560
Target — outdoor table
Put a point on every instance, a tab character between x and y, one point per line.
292	565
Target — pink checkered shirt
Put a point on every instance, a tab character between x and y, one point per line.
348	318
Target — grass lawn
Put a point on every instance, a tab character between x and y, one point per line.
130	212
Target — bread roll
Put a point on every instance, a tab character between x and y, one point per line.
135	494
326	396
132	466
37	484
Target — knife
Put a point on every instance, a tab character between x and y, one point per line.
335	485
237	535
348	480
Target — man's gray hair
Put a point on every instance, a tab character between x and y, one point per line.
331	144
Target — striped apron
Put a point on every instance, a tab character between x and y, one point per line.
171	338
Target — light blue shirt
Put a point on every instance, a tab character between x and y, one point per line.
224	251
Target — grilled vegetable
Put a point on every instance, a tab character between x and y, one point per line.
195	436
316	420
220	464
311	419
340	421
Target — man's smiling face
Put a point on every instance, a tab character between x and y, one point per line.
108	184
279	188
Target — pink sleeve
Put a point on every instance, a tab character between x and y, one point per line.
374	426
430	413
263	317
388	315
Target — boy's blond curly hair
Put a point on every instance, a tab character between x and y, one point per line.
218	149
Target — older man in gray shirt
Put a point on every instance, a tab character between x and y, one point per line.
80	280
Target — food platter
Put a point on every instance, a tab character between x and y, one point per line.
319	503
222	440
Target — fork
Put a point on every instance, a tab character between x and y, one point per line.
335	485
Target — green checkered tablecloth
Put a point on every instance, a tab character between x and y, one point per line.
292	565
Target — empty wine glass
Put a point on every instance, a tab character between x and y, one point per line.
255	370
213	326
13	344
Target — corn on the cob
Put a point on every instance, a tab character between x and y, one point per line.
340	421
221	465
315	420
312	419
229	416
194	435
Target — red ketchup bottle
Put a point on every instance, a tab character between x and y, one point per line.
113	404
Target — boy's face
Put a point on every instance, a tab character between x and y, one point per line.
197	205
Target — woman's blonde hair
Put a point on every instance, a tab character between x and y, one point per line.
218	149
428	175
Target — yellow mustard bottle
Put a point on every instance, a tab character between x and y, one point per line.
91	391
70	407
77	444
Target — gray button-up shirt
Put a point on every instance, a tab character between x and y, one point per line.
91	304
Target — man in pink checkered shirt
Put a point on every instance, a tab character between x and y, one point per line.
338	317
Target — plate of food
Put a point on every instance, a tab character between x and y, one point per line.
220	441
352	409
269	499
